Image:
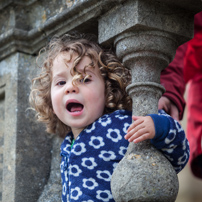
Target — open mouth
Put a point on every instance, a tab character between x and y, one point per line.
74	107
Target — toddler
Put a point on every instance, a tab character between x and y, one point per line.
80	95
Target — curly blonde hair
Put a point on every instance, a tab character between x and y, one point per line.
115	75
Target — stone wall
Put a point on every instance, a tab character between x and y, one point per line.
2	118
29	158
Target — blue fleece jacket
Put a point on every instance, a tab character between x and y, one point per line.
87	166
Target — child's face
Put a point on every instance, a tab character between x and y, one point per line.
76	105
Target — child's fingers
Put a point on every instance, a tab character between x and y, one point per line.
141	138
135	124
133	131
137	134
141	129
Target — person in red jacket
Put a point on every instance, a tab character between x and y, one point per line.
193	75
187	68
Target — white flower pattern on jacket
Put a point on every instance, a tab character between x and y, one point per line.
87	167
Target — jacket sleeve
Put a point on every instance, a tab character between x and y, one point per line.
170	139
173	81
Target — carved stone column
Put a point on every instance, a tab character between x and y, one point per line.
144	174
146	34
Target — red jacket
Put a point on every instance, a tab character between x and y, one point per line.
187	67
193	75
193	58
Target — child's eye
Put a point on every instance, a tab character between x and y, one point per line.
85	80
61	83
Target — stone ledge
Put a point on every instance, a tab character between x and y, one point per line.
6	3
144	16
82	16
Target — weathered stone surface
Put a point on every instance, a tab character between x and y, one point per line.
145	173
26	149
146	15
26	26
2	119
149	185
53	189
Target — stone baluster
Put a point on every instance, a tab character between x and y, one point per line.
144	174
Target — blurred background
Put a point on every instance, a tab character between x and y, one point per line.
190	189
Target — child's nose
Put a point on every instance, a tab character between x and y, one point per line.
71	88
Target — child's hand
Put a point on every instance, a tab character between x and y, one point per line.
141	129
169	107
